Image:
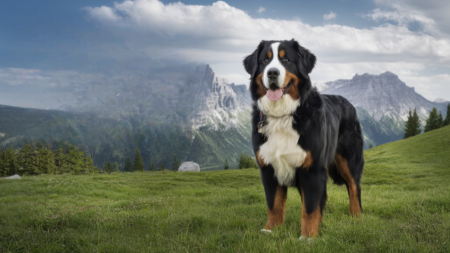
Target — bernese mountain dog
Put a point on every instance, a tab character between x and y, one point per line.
299	136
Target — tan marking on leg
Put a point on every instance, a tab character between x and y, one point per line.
293	90
276	215
260	160
282	53
308	161
341	164
310	222
261	91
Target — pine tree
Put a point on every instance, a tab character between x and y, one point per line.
176	163
151	166
226	165
370	145
432	121
3	163
416	124
89	165
74	160
408	125
46	162
161	167
28	160
59	161
12	163
412	126
108	168
138	163
447	117
128	166
241	161
116	167
440	121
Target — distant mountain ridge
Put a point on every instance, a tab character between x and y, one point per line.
383	103
382	95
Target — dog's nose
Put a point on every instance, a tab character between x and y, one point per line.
273	73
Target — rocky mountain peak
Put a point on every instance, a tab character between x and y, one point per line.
381	95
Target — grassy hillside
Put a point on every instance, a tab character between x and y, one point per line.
405	197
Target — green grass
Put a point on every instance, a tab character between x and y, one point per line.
405	197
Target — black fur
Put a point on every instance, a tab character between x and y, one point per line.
328	125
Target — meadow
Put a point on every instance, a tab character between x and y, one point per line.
405	198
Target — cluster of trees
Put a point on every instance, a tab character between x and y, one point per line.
138	164
35	159
433	122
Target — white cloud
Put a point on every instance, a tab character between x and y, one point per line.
223	35
432	15
261	10
329	16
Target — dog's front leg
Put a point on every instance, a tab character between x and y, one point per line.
275	197
313	189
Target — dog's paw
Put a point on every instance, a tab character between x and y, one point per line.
307	239
266	230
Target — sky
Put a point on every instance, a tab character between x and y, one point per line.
53	43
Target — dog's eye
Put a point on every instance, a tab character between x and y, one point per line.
266	61
285	59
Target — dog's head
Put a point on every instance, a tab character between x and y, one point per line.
279	69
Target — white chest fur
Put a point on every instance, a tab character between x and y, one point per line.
281	149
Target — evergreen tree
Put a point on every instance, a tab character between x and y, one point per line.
416	123
116	167
412	126
74	160
151	166
3	163
447	117
432	121
11	162
440	120
28	160
226	164
241	161
89	165
138	163
176	163
46	162
161	167
108	167
59	161
408	125
128	166
370	145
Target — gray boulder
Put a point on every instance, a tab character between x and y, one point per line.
189	166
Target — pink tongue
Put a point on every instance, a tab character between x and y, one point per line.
274	95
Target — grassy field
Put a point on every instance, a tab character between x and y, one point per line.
405	198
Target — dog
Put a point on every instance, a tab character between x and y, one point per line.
299	136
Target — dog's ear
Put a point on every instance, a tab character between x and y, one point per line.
251	61
307	60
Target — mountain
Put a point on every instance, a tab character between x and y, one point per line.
382	102
188	111
185	111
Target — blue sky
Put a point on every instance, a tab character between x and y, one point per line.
49	42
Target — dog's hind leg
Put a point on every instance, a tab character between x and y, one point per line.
353	186
275	197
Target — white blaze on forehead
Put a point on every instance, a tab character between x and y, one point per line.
275	63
